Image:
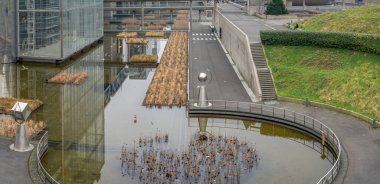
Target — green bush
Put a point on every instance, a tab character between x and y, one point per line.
276	7
353	41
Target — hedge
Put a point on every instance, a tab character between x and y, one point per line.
353	41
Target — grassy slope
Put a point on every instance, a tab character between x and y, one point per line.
338	77
364	19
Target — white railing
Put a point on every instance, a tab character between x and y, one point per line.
300	120
42	147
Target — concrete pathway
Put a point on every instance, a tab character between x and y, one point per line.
14	165
362	144
206	54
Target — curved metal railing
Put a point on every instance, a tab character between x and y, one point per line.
42	147
302	120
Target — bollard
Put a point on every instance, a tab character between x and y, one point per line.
280	83
306	102
270	55
374	123
275	68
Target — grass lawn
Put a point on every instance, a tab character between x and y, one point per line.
342	78
363	19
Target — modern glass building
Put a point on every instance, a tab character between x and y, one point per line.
7	31
54	30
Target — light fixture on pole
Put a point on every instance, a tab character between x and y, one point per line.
21	112
202	96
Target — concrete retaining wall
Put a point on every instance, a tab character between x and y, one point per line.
237	45
326	106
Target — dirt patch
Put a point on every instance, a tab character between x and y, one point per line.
321	63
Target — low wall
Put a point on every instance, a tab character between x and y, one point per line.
238	47
326	106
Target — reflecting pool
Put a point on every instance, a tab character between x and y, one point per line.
90	123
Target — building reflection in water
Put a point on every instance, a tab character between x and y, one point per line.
74	115
119	51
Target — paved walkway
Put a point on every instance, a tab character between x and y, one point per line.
362	144
14	165
206	54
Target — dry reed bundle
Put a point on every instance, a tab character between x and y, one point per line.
130	22
141	41
182	11
169	83
127	35
181	24
182	16
154	34
155	16
68	78
6	103
8	128
142	58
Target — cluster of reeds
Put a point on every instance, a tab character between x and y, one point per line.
154	16
169	83
181	21
154	34
181	24
8	128
139	41
6	104
126	35
181	11
68	78
143	58
130	21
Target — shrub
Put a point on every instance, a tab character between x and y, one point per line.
353	41
276	7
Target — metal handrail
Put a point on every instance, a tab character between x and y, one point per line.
281	113
42	147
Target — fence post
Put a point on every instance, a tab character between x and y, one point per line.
304	120
261	108
374	124
294	116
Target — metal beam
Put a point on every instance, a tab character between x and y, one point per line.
159	8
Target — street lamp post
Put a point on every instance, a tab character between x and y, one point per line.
21	112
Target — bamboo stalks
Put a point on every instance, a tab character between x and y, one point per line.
142	58
126	35
154	34
68	78
139	41
169	83
8	128
6	104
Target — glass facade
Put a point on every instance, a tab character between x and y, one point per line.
57	29
7	30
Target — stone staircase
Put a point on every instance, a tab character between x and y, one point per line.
265	78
